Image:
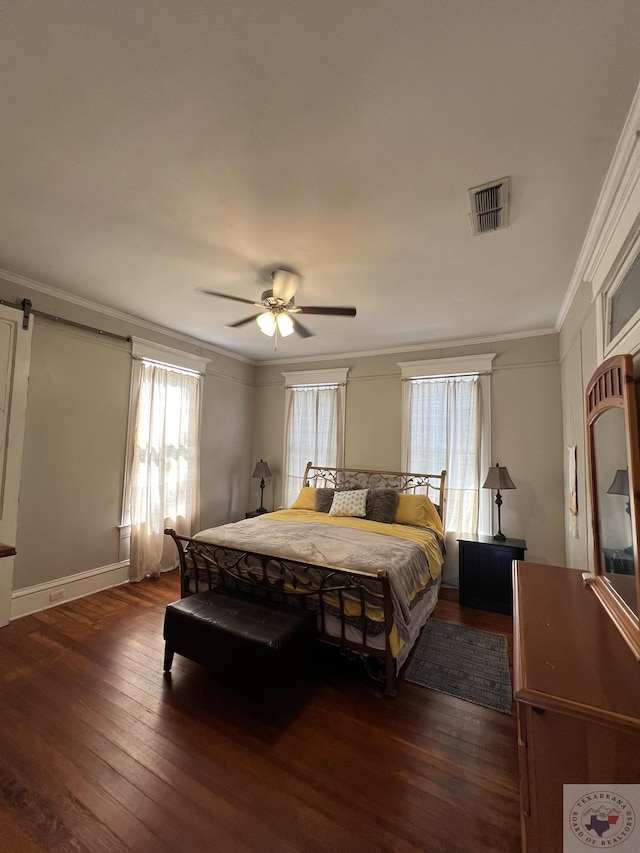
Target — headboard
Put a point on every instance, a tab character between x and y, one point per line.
357	478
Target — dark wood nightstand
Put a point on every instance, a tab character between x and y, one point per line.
485	566
254	514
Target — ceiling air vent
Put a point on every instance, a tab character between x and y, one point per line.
489	206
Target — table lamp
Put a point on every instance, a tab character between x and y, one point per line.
261	470
498	478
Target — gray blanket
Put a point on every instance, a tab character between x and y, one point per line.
332	547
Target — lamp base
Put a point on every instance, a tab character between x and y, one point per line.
260	510
499	536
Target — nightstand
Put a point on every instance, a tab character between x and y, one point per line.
254	514
485	566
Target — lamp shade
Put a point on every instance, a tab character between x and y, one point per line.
267	323
285	325
498	478
620	485
261	470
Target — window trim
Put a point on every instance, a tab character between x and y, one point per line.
459	365
333	376
167	356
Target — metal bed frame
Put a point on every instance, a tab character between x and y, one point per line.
326	590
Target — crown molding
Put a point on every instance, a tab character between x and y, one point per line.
118	315
621	179
81	302
418	347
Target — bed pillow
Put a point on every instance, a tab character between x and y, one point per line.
324	497
352	503
306	499
418	511
381	505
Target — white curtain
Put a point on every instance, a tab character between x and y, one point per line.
445	426
313	433
445	431
165	466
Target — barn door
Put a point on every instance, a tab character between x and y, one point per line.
15	355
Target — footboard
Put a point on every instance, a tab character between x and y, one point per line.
353	609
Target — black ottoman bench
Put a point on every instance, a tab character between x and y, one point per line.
247	639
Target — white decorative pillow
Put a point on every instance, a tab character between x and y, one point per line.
351	503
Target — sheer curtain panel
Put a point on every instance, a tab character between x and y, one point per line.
447	424
313	433
165	464
445	427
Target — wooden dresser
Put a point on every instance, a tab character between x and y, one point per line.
577	691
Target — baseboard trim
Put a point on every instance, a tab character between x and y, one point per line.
33	599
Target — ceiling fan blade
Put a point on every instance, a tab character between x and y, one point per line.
243	322
224	296
285	284
300	329
332	310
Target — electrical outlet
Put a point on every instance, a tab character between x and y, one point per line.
56	595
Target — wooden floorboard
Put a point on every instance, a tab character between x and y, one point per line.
98	752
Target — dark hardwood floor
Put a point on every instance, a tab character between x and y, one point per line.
99	753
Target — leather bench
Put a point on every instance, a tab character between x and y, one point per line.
244	638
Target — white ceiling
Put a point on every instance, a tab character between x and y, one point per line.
148	148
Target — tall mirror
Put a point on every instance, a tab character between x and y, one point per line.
614	469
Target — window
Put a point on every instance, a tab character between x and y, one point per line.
314	425
619	304
447	425
161	488
624	301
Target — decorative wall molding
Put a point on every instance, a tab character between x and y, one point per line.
613	206
423	347
145	324
33	599
118	315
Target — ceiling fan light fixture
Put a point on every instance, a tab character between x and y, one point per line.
267	323
279	313
285	325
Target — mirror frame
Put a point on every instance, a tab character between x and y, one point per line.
612	386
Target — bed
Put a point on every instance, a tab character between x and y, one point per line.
372	577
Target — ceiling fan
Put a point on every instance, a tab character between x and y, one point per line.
278	309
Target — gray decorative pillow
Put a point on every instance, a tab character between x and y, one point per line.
381	505
324	499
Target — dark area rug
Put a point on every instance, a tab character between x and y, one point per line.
463	662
